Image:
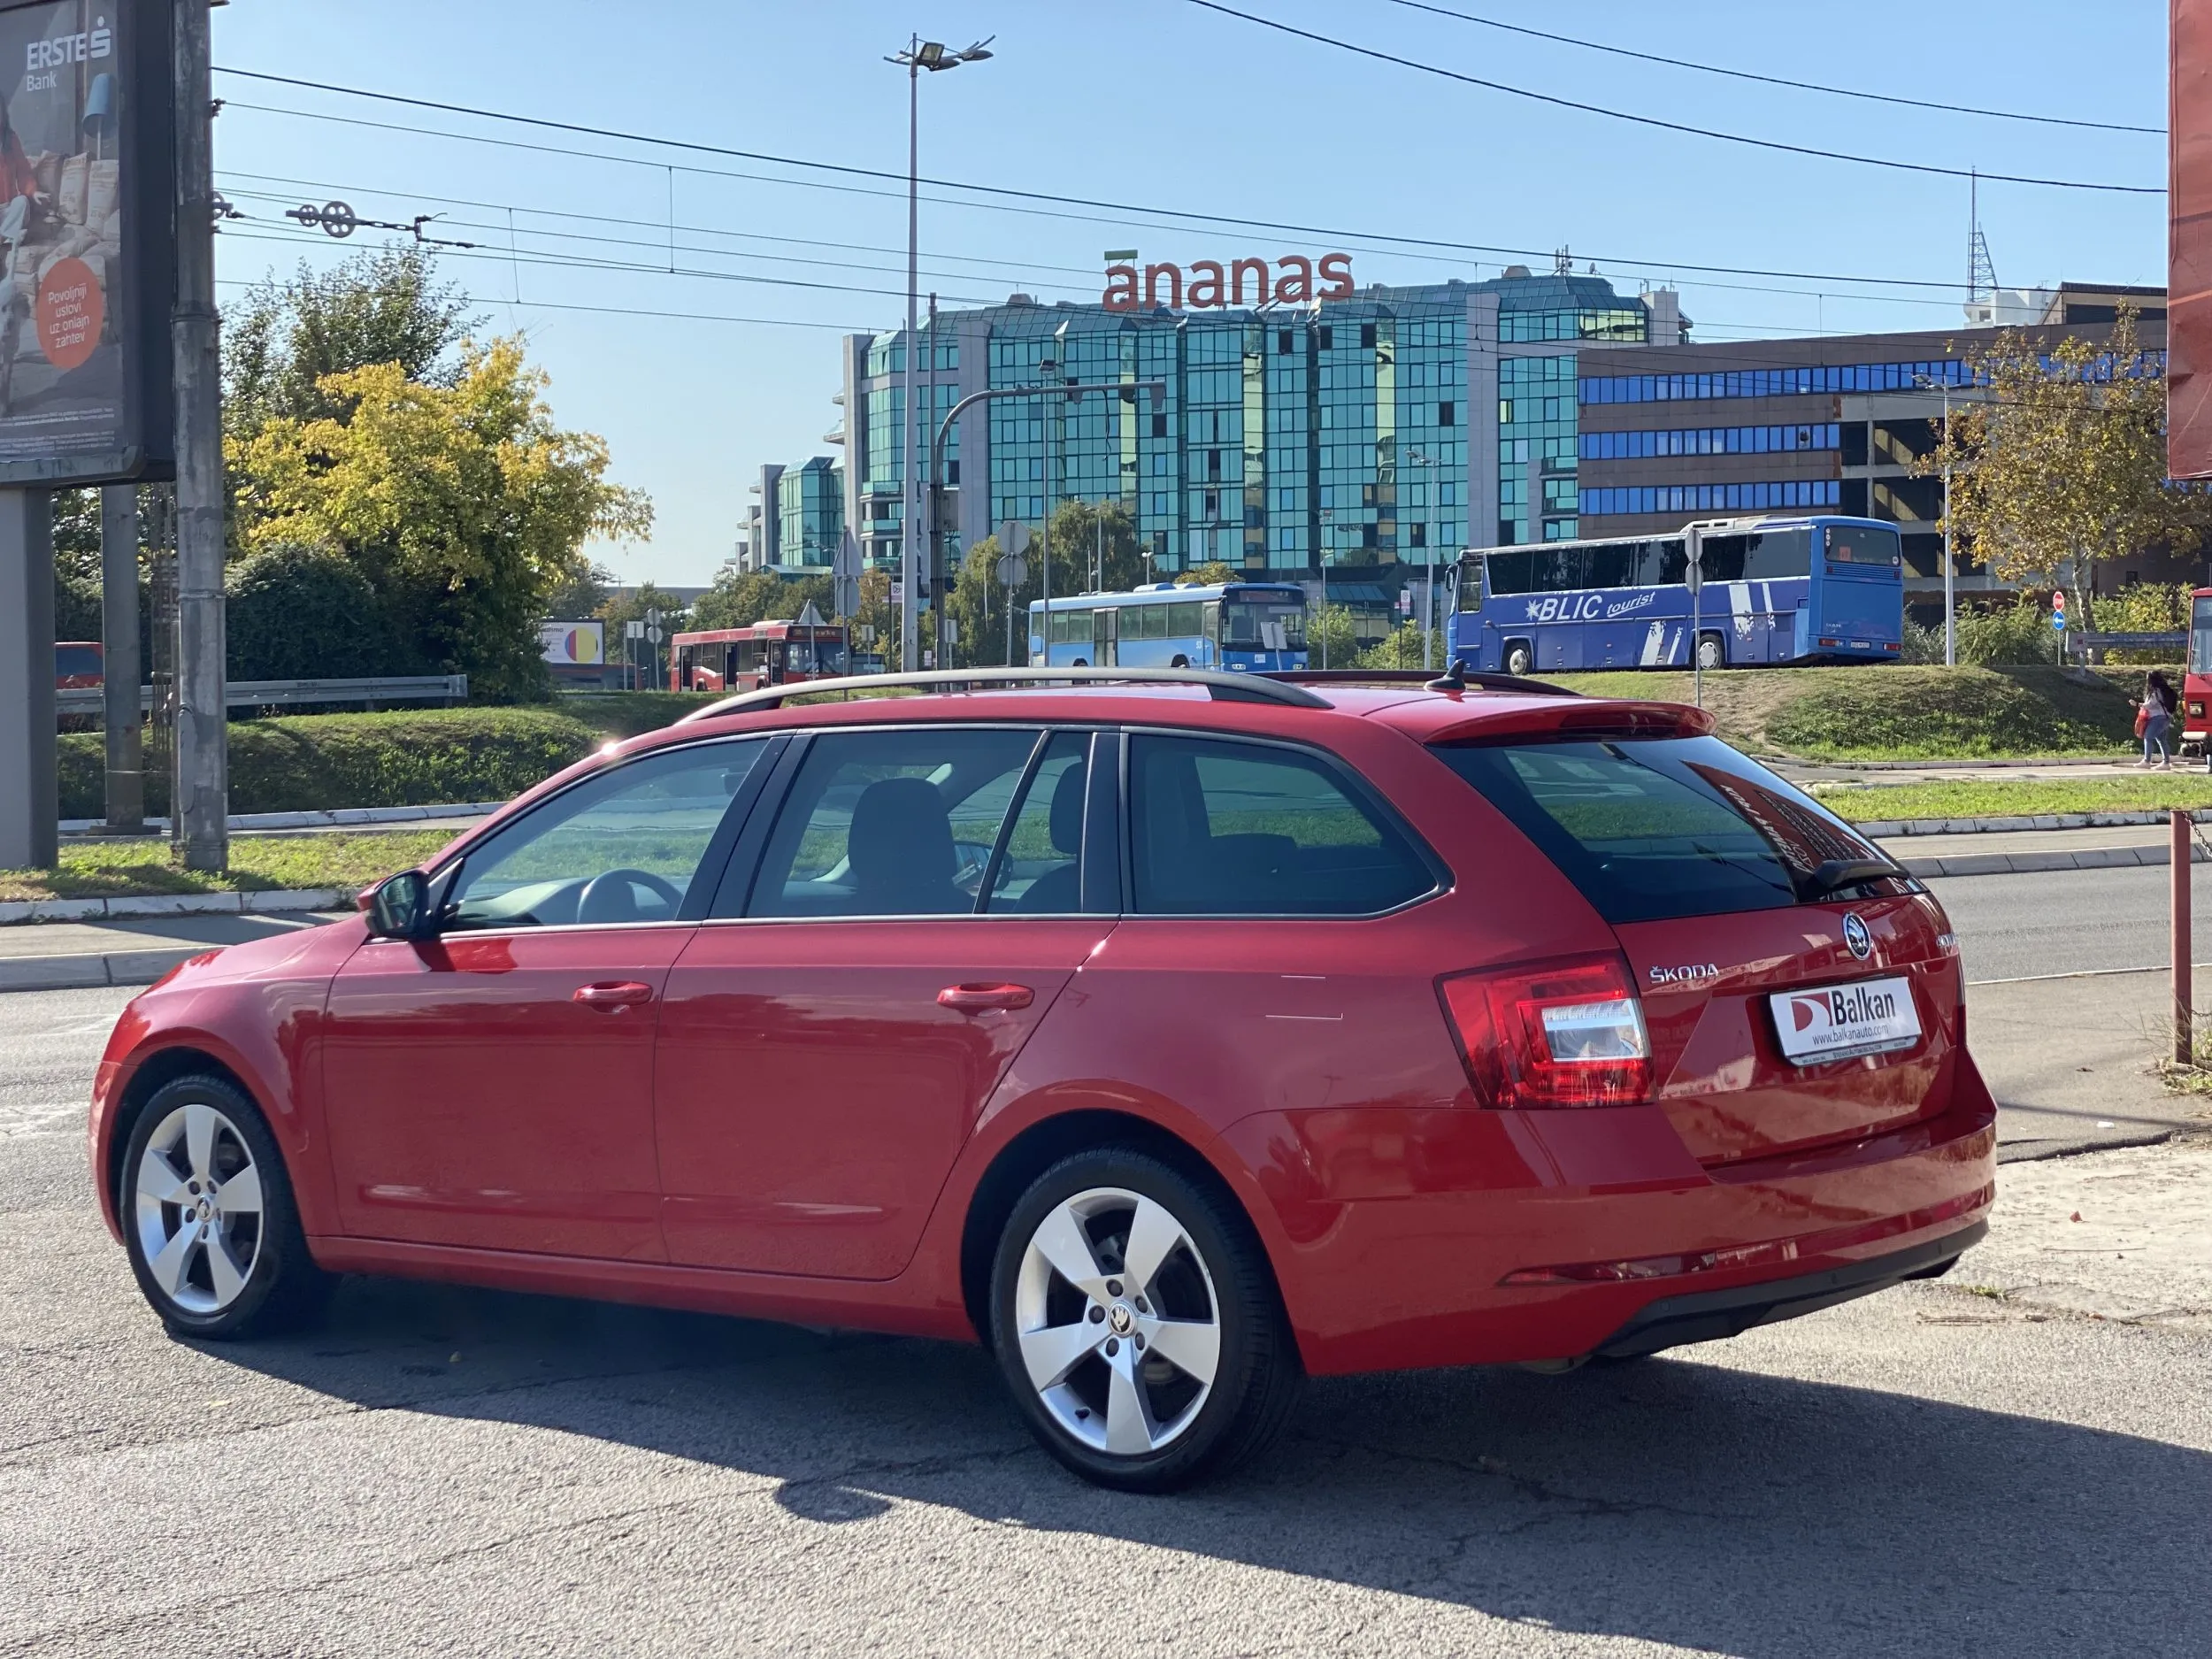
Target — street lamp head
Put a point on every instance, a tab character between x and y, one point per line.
932	56
977	52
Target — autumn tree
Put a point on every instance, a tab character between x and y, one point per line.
464	505
2060	465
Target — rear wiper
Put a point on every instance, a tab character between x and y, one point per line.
1834	874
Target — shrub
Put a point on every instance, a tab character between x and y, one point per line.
301	612
2020	633
308	763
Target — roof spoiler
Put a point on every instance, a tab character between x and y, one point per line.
1514	724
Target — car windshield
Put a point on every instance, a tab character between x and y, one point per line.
1650	829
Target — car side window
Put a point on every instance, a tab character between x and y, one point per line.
1249	829
1039	869
625	846
892	822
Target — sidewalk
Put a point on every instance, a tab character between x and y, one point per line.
65	956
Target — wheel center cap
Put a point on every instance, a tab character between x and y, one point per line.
1120	1318
205	1209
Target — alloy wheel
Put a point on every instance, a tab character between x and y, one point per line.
197	1206
1117	1322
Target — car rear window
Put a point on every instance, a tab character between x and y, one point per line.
1653	828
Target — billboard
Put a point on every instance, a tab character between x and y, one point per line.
572	644
88	180
2189	244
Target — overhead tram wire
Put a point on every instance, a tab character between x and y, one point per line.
1775	144
1776	81
1026	273
624	310
632	241
1193	216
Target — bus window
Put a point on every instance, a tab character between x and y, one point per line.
1859	544
1779	553
1186	619
1469	586
2200	636
1614	566
1263	623
1513	573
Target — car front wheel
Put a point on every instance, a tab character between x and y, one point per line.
1138	1324
208	1218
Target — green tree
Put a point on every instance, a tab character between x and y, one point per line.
1331	639
298	612
465	505
2060	465
1400	649
284	341
588	586
738	599
1212	574
1082	535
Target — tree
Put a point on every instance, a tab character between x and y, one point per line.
587	587
464	505
740	598
1333	639
298	612
1209	575
2061	465
284	341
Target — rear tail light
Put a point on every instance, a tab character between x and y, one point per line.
1557	1033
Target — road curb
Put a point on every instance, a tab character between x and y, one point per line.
262	901
1890	828
91	971
2033	864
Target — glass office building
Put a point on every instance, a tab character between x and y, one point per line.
1370	431
799	520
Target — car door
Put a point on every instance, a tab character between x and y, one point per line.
830	1037
491	1086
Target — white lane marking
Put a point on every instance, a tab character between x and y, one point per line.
20	1123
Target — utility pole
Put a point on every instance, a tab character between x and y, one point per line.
202	806
123	667
29	832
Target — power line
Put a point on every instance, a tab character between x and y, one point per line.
632	311
1671	126
1059	201
1776	81
1022	271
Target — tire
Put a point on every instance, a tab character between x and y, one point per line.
1080	662
1712	651
1518	659
1180	661
219	1259
1138	1424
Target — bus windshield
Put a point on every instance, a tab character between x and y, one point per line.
2201	635
1257	623
816	657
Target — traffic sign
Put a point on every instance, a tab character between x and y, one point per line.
810	617
2058	599
2058	620
1013	537
1012	570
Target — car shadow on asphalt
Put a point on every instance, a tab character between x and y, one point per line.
1674	1500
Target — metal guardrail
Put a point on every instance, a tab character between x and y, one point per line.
2095	642
277	694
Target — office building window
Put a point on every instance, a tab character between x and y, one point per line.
1762	496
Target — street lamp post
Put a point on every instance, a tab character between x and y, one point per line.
1428	548
1049	366
932	56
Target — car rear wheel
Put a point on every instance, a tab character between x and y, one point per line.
1137	1323
208	1218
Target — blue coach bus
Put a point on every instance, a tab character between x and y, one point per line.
1795	589
1250	625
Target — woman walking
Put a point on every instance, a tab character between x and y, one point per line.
2157	717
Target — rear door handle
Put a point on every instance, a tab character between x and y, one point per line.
981	999
612	996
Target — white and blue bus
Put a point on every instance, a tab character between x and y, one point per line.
1254	627
1797	589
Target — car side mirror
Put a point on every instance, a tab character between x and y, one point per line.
400	907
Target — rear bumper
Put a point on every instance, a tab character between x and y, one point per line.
1710	1316
1464	1237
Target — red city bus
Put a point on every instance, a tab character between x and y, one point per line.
79	665
745	659
2196	690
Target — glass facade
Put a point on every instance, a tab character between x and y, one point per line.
1757	497
810	509
1796	383
1637	446
1349	432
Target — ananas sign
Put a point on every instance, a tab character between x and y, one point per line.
1293	279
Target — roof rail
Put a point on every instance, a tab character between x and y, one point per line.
1225	687
1459	679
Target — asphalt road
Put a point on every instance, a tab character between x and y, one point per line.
444	1470
2070	921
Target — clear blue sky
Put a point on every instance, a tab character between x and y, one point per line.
1154	102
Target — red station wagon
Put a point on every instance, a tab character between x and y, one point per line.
1175	1035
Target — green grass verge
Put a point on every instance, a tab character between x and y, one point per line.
2158	792
104	870
1903	713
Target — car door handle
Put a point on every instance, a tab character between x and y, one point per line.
613	995
981	999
